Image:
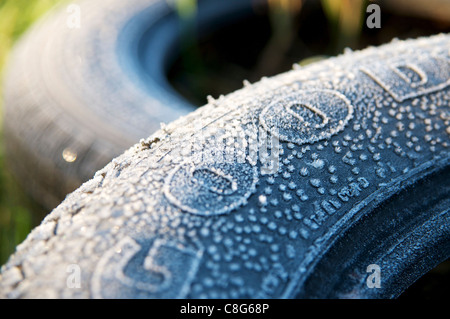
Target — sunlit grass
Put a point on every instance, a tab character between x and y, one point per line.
15	17
345	18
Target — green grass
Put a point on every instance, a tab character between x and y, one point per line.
18	213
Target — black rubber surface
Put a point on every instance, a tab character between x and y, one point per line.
294	186
77	97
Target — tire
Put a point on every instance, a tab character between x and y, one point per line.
353	184
75	98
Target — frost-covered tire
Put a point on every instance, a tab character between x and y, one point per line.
89	81
202	208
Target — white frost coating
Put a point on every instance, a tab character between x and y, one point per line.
166	282
148	208
307	116
210	188
410	76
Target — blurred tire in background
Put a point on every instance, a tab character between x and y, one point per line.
79	90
